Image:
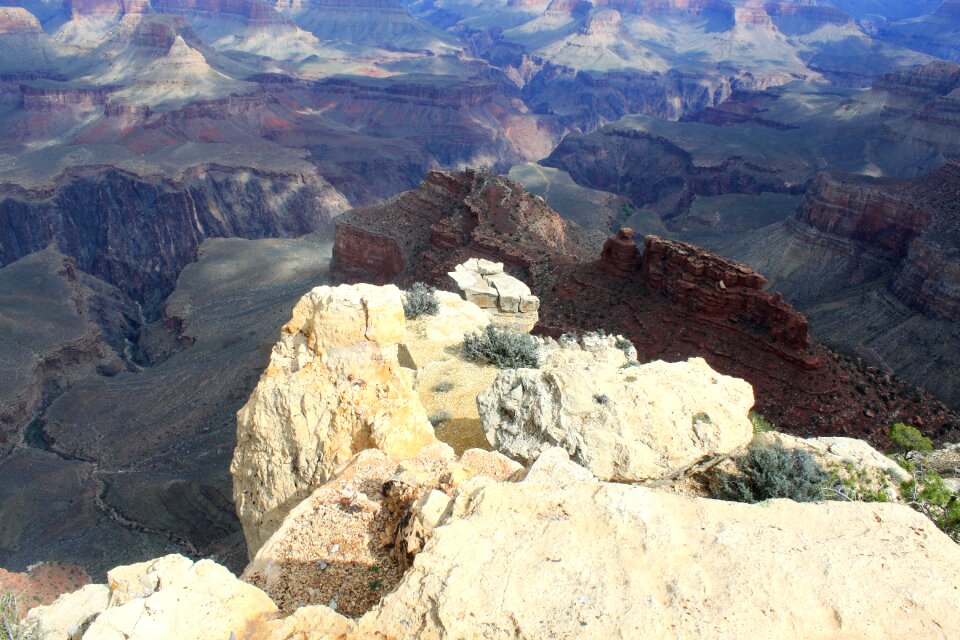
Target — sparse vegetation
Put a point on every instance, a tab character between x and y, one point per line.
906	439
765	473
502	347
601	398
927	493
760	424
853	484
420	300
440	417
443	386
11	628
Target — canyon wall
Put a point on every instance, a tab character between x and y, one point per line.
139	233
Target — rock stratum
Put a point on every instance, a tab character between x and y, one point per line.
874	263
672	300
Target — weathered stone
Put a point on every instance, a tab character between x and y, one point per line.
446	384
625	423
363	527
170	597
70	615
334	386
554	466
506	299
615	561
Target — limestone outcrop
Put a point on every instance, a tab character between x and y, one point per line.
507	300
334	387
169	597
615	561
621	420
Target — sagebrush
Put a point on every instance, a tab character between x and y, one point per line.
503	347
420	300
765	473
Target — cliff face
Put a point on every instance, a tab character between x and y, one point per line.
874	265
453	216
655	172
714	287
852	207
139	233
914	222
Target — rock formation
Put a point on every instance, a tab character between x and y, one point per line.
507	300
713	286
623	423
364	527
620	255
466	214
675	301
170	597
334	387
875	261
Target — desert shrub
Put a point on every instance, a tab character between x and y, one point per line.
760	424
601	398
443	386
927	493
440	417
503	347
11	628
420	300
906	439
853	484
624	345
765	473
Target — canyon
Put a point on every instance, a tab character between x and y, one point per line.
174	174
672	300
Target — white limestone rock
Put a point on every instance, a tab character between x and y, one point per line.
623	423
334	387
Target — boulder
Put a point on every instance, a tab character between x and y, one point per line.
334	386
507	300
604	560
621	420
170	597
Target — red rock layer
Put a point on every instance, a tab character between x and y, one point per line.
858	209
916	221
43	583
674	302
715	287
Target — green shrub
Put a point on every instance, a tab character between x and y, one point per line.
760	424
855	484
10	626
420	300
503	347
906	439
773	472
927	493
